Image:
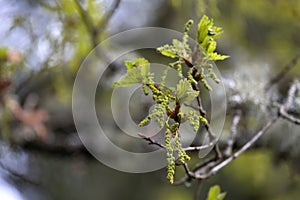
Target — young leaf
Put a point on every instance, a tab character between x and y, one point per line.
168	51
216	56
215	193
132	77
185	92
203	27
137	72
207	33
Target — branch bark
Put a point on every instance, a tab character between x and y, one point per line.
219	166
283	72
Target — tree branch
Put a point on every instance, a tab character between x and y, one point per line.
85	17
283	72
151	141
95	29
61	149
198	148
18	175
283	110
103	23
219	166
288	117
198	190
230	142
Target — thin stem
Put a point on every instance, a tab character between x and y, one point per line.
189	173
95	29
198	190
287	116
291	94
85	17
283	108
283	72
18	175
219	166
152	141
217	151
198	148
231	141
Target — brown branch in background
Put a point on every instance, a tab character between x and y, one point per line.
103	23
60	148
283	72
85	17
32	118
17	175
95	29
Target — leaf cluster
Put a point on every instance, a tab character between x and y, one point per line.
169	101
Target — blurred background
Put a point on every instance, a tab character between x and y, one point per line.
43	43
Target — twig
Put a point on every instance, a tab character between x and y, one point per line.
203	165
189	173
192	106
198	190
288	117
219	166
231	140
283	72
217	151
200	107
283	108
95	29
59	148
291	94
85	17
151	141
18	175
199	148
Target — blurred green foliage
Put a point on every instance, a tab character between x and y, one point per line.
214	193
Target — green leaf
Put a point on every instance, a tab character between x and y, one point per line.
129	65
137	72
168	51
215	193
132	77
203	27
206	28
207	33
211	47
216	56
185	92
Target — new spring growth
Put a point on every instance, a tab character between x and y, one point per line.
169	101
